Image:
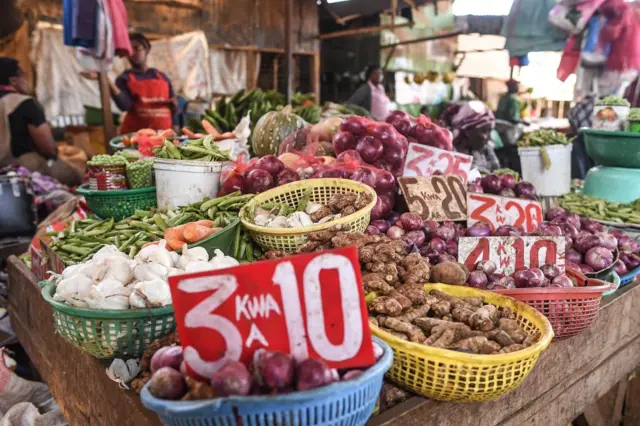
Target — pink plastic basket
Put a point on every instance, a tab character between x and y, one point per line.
569	310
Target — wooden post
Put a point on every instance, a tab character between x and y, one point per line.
315	75
251	69
275	73
107	117
288	49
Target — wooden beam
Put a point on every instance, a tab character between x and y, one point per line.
421	39
394	9
259	49
315	76
389	55
365	30
187	4
107	117
288	47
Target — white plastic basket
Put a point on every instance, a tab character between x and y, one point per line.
553	181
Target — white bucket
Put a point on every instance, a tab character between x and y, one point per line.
551	182
183	182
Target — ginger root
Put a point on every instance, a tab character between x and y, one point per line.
500	336
511	348
415	293
427	324
476	301
321	213
403	300
413	333
339	201
441	308
386	305
416	269
513	329
363	200
476	345
484	319
376	282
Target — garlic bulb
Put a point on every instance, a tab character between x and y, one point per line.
109	294
199	266
150	294
192	255
108	251
175	271
299	220
150	271
156	253
74	291
220	261
312	207
111	267
174	257
73	270
278	222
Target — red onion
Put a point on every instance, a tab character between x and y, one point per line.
475	187
585	242
526	278
381	224
372	230
479	229
551	271
620	268
382	208
385	134
486	266
538	272
369	148
477	279
507	192
414	237
365	175
452	248
258	180
349	155
411	221
525	190
385	181
508	181
343	141
618	233
607	240
569	230
429	227
549	230
445	232
573	257
445	257
626	243
571	265
167	383
271	164
591	226
233	183
586	269
492	184
632	260
568	243
555	212
438	244
429	253
504	283
287	175
509	231
599	258
353	124
573	219
166	356
561	281
395	232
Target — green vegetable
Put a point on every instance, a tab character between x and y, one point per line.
203	149
543	137
272	129
634	114
612	100
140	174
601	209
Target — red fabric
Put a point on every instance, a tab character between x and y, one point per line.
570	58
149	105
119	22
621	31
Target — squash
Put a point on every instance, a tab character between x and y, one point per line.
272	128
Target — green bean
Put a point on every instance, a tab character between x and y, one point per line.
73	249
160	222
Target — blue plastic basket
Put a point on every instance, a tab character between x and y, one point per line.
348	403
629	277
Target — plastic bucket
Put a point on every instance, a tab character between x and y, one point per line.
553	181
182	182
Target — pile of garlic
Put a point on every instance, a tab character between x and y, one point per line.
112	280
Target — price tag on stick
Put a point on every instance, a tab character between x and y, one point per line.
310	306
498	211
425	160
435	197
512	253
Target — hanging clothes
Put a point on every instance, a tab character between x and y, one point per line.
119	21
78	25
150	109
527	28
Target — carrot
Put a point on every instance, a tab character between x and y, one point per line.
194	232
200	135
175	236
205	222
187	132
166	133
208	127
126	141
226	135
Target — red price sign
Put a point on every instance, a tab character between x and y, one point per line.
311	306
498	211
424	160
512	253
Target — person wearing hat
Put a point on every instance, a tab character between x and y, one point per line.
144	93
25	136
509	106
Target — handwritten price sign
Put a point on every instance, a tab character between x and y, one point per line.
425	160
435	197
512	253
311	306
498	211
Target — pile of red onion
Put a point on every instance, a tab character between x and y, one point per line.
421	130
503	185
484	277
256	176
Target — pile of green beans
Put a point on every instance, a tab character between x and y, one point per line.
140	174
83	238
601	209
203	149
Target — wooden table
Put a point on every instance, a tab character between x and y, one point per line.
568	379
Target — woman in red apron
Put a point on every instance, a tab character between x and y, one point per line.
144	93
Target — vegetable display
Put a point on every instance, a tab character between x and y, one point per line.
421	130
463	324
82	238
279	215
270	373
505	184
203	149
612	100
140	174
543	137
601	209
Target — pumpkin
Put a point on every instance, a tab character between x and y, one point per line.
272	129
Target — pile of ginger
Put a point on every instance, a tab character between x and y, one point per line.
463	324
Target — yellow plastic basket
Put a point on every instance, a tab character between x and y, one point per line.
289	239
447	375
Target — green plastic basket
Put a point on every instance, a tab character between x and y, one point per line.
118	204
222	240
613	149
107	334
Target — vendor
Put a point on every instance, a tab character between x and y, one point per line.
25	136
471	124
371	95
509	105
144	93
